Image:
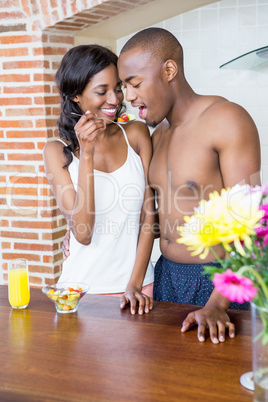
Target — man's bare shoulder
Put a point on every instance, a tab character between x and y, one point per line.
224	120
216	107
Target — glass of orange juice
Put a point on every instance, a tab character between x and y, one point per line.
18	283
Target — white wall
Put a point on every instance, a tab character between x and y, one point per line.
211	36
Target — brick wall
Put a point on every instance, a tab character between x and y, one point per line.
34	35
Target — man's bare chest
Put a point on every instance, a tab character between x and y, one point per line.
183	163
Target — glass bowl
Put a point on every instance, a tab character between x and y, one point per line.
66	295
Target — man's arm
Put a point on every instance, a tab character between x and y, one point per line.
238	145
235	138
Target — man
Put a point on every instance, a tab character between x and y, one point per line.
200	144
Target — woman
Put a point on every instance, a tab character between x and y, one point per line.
98	173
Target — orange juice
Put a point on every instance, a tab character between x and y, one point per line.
18	287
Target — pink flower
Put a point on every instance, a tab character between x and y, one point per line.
264	189
262	232
264	208
234	287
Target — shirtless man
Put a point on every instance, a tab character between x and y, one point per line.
201	144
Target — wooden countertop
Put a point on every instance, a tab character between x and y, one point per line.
104	354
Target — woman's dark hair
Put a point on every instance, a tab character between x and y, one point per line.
77	68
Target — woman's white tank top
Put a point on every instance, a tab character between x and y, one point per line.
107	262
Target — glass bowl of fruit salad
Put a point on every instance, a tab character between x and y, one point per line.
66	296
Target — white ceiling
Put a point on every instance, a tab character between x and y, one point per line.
108	31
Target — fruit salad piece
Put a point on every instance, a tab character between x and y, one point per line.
126	117
66	299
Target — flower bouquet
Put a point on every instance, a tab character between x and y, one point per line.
237	220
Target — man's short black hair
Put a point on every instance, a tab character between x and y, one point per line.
160	43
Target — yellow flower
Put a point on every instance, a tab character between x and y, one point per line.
229	217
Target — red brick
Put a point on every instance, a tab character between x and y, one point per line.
73	7
87	14
64	7
31	224
11	15
19	191
49	51
19	235
4	223
50	281
44	7
26	134
42	269
31	89
48	100
25	157
57	269
37	25
27	7
25	64
53	3
16	123
13	27
9	3
37	111
56	111
48	259
50	214
41	145
54	235
15	101
60	222
24	203
5	266
46	123
34	203
35	7
18	212
29	257
33	247
57	257
17	168
8	40
70	28
23	180
35	280
2	179
55	65
17	145
23	51
41	169
15	77
61	39
45	192
5	245
44	77
101	11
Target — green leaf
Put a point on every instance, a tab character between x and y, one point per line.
211	270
